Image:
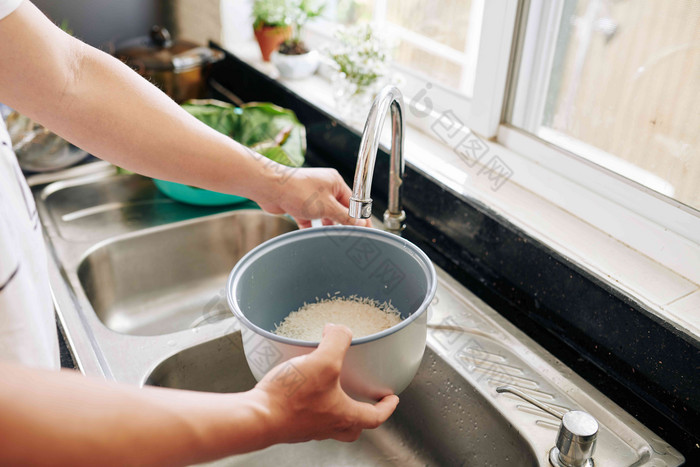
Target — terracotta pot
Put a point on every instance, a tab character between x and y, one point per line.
270	37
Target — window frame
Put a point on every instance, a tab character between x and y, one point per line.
675	225
661	228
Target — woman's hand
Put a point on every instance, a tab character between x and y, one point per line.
311	193
318	408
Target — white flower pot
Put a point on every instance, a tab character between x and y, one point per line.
296	66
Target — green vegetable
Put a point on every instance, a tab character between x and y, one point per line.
266	128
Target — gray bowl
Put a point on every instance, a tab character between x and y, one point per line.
283	273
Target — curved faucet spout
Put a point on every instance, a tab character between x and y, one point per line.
360	202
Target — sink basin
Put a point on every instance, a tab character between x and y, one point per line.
112	205
169	278
441	420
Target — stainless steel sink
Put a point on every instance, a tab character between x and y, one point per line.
135	275
101	207
138	283
441	420
161	281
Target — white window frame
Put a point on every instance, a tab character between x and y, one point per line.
658	227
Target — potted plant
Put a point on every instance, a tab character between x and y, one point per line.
360	58
294	59
272	24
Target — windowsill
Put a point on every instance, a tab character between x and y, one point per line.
673	294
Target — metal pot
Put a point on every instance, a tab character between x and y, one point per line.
179	68
283	273
38	149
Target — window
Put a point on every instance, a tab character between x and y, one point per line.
439	48
618	83
436	39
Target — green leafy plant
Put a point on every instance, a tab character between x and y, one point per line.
273	131
305	10
361	55
274	13
281	13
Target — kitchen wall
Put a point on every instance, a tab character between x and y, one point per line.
194	20
98	22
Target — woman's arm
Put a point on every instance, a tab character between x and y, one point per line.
67	419
101	105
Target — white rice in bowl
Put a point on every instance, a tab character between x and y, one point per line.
363	316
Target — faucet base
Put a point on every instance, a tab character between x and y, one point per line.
557	462
394	222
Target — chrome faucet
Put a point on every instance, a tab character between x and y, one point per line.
360	201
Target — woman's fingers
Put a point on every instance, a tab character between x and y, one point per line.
348	436
303	223
343	197
334	345
330	211
343	194
371	416
339	214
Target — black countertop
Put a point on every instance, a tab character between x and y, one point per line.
65	353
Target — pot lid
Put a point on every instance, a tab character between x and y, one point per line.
158	52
